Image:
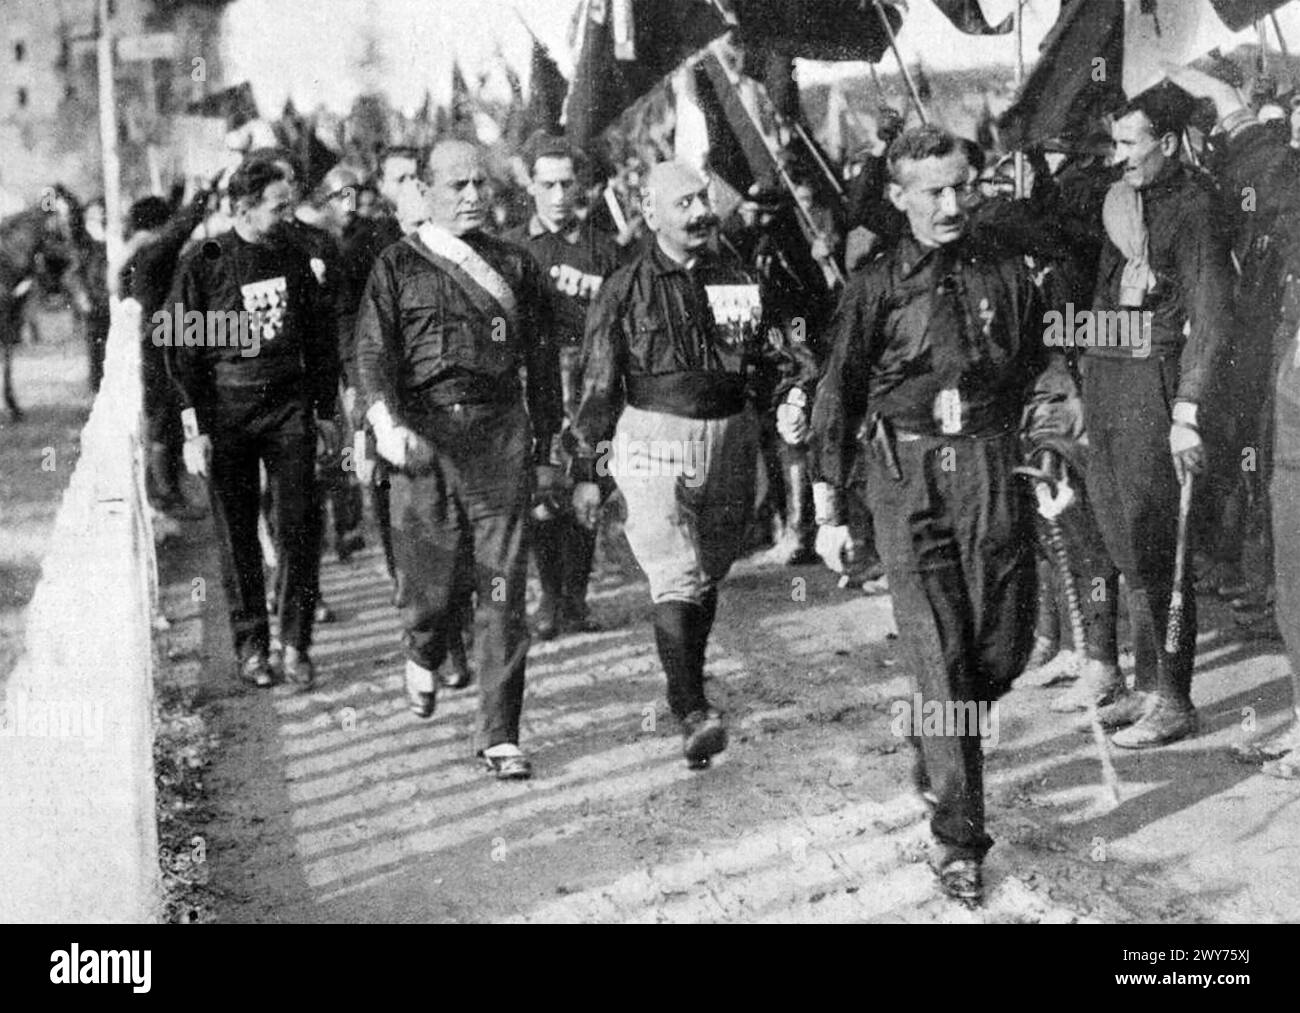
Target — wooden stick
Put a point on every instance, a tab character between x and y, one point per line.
907	75
1174	627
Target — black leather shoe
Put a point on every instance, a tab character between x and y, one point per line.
456	673
703	736
962	879
256	669
514	767
577	621
348	545
546	625
1128	708
298	668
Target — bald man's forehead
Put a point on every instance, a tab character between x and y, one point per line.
669	182
457	162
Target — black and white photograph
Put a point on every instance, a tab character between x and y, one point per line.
633	462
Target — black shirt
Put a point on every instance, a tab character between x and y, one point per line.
693	343
574	265
918	321
276	296
424	343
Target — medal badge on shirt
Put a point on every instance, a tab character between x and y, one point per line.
737	310
266	302
948	407
572	282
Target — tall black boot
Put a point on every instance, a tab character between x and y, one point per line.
677	627
548	553
708	610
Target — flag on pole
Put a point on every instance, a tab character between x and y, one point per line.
1077	78
462	103
626	52
967	17
546	91
236	104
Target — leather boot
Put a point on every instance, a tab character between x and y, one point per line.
677	626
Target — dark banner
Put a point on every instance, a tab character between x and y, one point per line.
1078	76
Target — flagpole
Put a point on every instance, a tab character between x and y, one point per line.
907	76
1020	83
1281	42
108	142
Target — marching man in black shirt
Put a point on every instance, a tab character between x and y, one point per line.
253	350
449	316
1165	257
675	346
935	347
575	258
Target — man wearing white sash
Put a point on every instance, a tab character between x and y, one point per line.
449	318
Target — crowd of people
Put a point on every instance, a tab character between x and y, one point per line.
482	383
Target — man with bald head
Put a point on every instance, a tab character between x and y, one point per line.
674	356
449	318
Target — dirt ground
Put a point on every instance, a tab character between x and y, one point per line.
37	456
337	805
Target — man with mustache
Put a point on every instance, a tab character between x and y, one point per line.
675	354
1166	254
936	349
449	318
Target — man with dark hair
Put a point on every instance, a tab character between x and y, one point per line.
449	317
1166	257
264	394
936	350
575	259
153	247
770	244
400	171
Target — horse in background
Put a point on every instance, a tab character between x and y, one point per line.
40	253
23	236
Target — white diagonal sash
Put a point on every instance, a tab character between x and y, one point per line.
483	274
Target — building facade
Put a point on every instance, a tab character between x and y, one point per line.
49	91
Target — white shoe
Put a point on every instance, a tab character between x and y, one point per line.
421	690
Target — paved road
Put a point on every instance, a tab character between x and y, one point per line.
338	805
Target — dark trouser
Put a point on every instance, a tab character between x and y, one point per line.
464	526
798	494
381	494
1134	493
340	489
163	427
564	550
96	324
956	537
285	440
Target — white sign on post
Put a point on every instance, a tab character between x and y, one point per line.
158	46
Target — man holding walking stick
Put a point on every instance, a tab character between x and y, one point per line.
1165	256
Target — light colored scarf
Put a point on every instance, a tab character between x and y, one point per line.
1122	216
460	253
